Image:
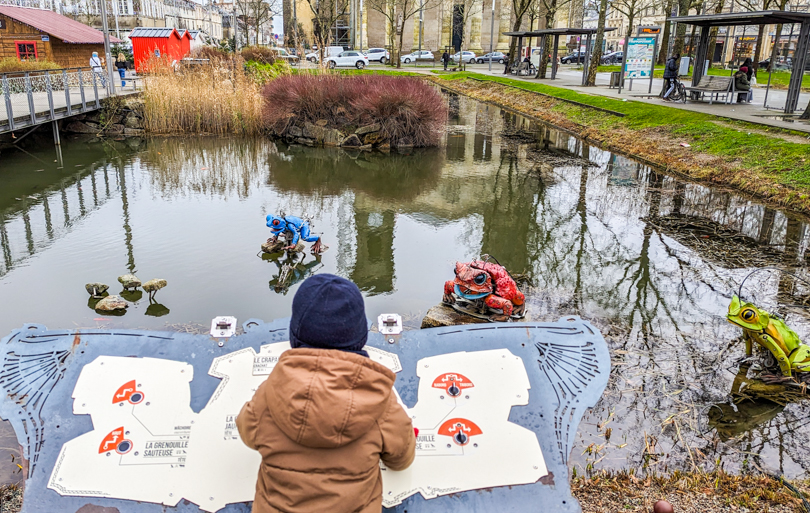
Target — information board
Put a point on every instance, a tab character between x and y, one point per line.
640	57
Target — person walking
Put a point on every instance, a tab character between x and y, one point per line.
445	59
121	65
741	84
671	75
327	414
98	70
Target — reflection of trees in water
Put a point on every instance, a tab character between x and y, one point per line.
208	165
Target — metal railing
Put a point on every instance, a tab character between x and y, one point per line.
31	98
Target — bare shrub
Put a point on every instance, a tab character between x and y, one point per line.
258	54
211	53
408	110
215	98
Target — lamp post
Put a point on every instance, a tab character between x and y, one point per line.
107	56
491	33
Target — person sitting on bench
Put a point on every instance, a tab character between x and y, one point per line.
741	84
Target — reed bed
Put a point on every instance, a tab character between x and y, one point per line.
216	98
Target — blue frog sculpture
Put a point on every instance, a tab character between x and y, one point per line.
293	229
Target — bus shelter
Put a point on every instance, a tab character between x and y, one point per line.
556	33
707	21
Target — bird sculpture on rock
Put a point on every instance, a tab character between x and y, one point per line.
152	286
129	281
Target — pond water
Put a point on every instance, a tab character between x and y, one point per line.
592	233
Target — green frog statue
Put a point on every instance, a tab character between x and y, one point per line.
772	334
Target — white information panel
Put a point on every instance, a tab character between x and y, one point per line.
148	445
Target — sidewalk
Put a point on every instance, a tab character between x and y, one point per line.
754	112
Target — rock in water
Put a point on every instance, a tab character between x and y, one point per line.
111	303
129	281
96	288
153	286
443	315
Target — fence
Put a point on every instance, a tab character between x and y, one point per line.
33	97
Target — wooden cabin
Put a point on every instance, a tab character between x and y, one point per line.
164	43
27	33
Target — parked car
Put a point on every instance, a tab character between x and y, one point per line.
612	58
330	51
351	58
378	54
498	57
576	56
466	57
281	53
424	55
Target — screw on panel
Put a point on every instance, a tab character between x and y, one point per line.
221	343
390	340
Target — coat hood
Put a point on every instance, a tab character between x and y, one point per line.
325	398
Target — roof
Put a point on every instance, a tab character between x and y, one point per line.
56	25
152	32
568	31
744	18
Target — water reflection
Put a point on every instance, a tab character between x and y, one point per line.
596	234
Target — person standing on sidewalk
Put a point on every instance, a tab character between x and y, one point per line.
670	75
121	65
445	59
98	70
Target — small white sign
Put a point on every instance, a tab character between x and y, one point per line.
223	327
389	324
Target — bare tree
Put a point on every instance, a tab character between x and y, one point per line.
662	52
252	15
325	14
550	7
519	9
468	9
396	13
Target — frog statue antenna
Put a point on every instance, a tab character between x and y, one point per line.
293	229
771	333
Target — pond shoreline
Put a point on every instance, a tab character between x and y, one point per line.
655	146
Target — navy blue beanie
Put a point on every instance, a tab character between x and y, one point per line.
328	312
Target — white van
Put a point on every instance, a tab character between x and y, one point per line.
331	51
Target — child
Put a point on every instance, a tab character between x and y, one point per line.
327	414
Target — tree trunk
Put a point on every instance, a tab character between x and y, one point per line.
662	52
399	51
541	70
718	9
806	114
692	40
512	44
680	30
600	37
758	51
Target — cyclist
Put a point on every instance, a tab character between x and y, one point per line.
671	75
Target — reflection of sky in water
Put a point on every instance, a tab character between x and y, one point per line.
569	217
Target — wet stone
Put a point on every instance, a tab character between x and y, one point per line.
332	137
368	129
154	285
96	288
295	131
352	142
111	303
129	281
443	315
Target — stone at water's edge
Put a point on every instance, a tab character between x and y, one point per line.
154	285
443	315
111	303
352	142
368	129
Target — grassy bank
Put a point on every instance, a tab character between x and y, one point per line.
779	80
770	163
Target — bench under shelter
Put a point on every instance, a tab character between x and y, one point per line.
588	33
707	21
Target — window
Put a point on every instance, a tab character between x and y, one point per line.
26	50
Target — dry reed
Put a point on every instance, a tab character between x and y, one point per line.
217	98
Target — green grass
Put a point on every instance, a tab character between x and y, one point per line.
771	158
780	79
390	73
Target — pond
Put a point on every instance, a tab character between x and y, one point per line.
651	259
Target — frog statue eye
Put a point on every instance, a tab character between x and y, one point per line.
275	222
480	279
748	314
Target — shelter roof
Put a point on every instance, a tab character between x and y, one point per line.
568	31
744	18
152	32
56	25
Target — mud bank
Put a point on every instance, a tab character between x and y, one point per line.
662	145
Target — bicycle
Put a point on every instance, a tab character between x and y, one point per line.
679	93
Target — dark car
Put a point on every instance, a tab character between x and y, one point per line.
577	56
498	57
612	58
